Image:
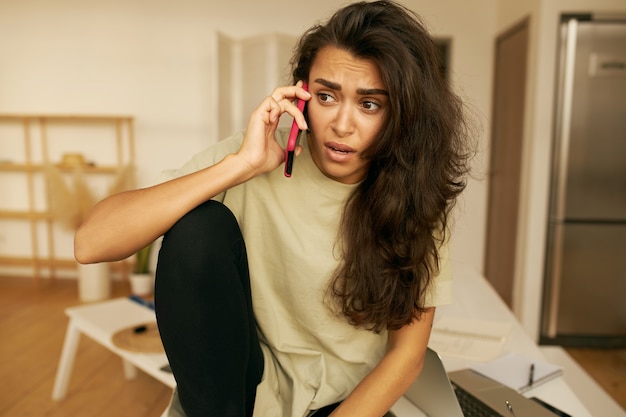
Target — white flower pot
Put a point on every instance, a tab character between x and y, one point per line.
94	282
141	284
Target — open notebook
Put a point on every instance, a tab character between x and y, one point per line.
518	371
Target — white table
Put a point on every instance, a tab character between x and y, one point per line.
100	321
474	298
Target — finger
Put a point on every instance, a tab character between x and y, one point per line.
290	93
271	109
293	110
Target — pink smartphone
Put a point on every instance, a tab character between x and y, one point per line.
293	138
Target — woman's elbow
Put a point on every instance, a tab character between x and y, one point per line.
84	250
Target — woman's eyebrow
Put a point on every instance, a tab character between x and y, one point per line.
329	84
362	91
372	91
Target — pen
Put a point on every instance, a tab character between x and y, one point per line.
531	375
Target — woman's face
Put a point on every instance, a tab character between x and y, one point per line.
346	113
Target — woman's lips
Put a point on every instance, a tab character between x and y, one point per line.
339	152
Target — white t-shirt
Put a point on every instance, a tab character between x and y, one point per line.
312	356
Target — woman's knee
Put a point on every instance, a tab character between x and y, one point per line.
209	230
205	242
211	221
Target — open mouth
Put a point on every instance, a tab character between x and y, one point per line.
340	148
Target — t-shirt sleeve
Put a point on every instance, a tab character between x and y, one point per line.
206	158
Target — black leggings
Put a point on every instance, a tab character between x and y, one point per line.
204	312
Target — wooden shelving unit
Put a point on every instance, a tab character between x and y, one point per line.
36	132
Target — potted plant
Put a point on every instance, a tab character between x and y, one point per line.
142	277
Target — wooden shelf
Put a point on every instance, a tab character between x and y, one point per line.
122	267
25	215
94	169
86	118
35	129
40	262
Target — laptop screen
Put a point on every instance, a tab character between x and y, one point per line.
432	392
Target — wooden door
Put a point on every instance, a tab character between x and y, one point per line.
506	155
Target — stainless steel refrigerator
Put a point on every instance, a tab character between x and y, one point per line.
585	275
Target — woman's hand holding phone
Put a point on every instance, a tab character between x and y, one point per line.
259	150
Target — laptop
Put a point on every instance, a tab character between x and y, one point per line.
467	393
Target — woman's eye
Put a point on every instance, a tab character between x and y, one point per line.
370	105
325	98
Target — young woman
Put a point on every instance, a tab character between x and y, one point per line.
284	296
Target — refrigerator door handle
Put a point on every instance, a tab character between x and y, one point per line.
565	122
570	31
555	268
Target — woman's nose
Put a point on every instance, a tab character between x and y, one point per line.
343	125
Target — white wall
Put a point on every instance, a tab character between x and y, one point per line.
537	151
154	60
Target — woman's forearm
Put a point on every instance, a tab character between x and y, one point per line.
393	375
380	390
121	224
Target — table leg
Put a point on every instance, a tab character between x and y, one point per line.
72	337
130	371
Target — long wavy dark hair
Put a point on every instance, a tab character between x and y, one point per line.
397	218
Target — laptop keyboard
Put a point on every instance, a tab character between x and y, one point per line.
471	406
